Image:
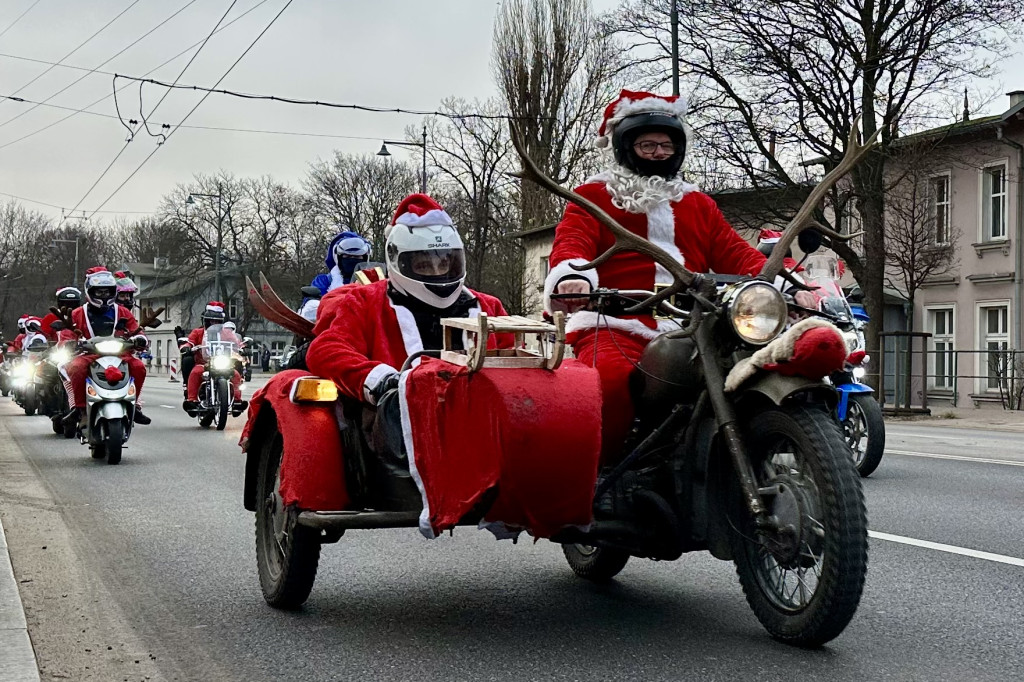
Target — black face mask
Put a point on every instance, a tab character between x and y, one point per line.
665	168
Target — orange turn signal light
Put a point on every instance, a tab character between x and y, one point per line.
314	390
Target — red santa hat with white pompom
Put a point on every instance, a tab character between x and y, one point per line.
630	103
215	307
419	210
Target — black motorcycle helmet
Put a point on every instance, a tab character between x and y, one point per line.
630	128
69	297
212	317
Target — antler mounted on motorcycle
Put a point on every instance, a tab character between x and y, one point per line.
683	278
855	151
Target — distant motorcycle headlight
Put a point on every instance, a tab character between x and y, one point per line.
220	362
60	356
111	347
758	312
859	372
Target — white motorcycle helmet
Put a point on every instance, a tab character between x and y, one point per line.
425	256
100	288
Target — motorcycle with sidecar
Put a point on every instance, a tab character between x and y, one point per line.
735	450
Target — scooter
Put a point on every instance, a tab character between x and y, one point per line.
25	387
109	399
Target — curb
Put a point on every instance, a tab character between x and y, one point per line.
18	662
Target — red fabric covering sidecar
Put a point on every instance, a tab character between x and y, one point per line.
532	434
312	472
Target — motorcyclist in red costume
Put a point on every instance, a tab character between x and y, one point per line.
68	298
364	334
102	316
645	139
192	349
14	346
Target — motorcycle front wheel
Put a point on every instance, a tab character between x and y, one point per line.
287	555
30	402
114	436
803	581
864	429
223	404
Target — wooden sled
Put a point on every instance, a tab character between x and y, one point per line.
550	342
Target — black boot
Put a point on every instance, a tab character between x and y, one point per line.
141	418
238	407
73	417
190	407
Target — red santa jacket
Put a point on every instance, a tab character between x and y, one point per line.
693	230
15	345
80	318
362	336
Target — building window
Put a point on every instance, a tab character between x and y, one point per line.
234	308
993	207
940	208
941	358
167	310
545	266
995	340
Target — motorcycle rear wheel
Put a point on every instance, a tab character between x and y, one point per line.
804	587
598	564
287	555
223	405
865	432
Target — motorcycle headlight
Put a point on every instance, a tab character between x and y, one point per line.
758	312
852	341
859	372
60	356
24	371
111	347
220	362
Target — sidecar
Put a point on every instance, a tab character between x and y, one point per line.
504	440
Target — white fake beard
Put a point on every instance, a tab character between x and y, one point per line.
634	193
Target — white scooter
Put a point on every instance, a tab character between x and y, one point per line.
109	399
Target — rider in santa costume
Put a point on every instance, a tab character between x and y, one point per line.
102	316
365	333
645	139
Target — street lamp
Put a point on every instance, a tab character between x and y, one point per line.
219	196
423	145
53	245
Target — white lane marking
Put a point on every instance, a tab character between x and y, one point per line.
918	434
952	549
169	407
960	458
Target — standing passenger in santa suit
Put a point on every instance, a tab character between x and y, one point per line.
645	139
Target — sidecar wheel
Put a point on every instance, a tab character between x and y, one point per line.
598	564
803	585
287	554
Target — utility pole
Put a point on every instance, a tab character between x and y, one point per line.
423	145
675	46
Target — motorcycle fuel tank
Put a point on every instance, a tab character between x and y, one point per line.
671	373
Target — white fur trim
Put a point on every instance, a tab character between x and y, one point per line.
432	217
563	269
309	309
661	231
336	279
630	107
780	349
588	319
410	453
376	375
215	308
410	332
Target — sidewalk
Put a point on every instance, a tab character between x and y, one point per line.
17	660
960	418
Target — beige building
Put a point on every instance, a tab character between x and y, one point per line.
973	312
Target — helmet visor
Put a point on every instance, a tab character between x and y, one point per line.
103	293
436	266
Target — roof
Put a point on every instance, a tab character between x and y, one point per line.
180	286
148	270
534	231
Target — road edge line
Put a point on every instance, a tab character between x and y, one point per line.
951	549
956	458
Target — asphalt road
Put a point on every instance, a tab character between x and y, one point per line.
155	560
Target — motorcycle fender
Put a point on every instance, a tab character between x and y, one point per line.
845	391
781	389
110	410
312	469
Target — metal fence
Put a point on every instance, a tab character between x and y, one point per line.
913	373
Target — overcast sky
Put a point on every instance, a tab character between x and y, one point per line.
388	53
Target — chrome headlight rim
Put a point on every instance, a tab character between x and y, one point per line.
734	296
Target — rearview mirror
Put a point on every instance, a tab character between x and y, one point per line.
311	292
56	325
809	240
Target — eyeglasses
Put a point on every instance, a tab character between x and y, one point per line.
650	147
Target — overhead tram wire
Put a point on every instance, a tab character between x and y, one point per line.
84	110
192	110
105	62
222	129
11	25
65	209
80	46
129	141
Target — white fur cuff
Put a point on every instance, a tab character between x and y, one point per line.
565	269
376	375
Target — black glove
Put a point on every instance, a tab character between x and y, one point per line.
140	342
179	332
388	383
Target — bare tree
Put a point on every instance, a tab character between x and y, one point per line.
554	68
785	80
